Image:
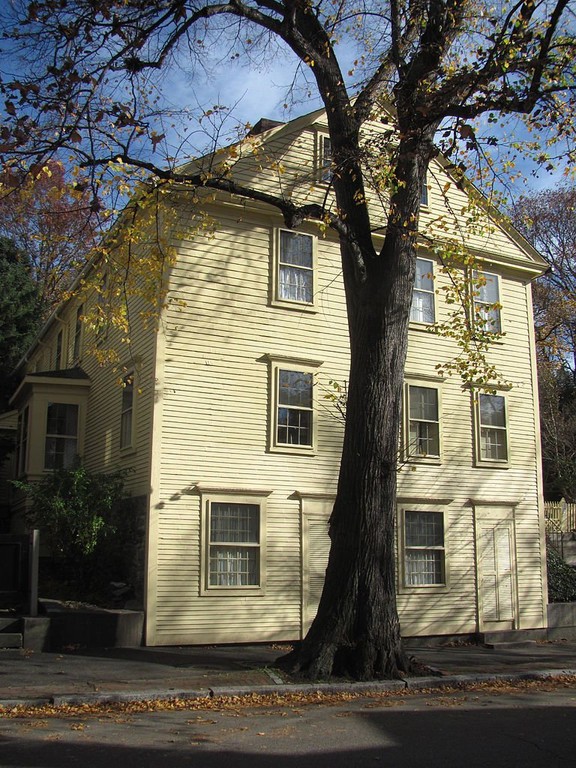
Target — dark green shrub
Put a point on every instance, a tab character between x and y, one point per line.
561	579
75	510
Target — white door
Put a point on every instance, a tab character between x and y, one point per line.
496	576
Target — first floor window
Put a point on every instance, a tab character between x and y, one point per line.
424	548
294	411
422	310
493	438
423	422
127	411
234	544
61	435
296	267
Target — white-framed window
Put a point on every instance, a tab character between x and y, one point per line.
491	428
424	554
77	347
127	412
292	407
294	269
234	537
487	301
422	421
325	158
61	445
422	310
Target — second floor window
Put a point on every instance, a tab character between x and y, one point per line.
423	422
295	268
294	411
492	428
78	334
422	310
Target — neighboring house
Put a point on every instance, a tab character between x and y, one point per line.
235	447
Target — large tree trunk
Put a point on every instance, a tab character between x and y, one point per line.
356	630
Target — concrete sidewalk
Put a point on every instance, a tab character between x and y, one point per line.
124	674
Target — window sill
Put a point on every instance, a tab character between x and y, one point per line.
410	589
232	591
299	306
296	450
480	464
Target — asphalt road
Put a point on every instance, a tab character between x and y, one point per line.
518	728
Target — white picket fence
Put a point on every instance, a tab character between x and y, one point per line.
560	516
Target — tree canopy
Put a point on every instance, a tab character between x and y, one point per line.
87	86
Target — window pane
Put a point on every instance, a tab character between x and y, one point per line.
234	522
295	388
233	567
62	419
424	529
295	284
492	411
424	439
424	278
488	292
493	444
424	403
422	310
294	427
424	567
295	249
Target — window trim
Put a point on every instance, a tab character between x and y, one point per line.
424	506
480	460
423	290
130	445
477	303
434	383
278	363
276	299
209	496
424	193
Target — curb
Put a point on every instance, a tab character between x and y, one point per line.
414	684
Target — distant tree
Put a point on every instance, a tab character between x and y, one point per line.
50	221
548	220
19	318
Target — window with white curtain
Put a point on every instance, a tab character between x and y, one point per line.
295	268
234	544
422	310
424	552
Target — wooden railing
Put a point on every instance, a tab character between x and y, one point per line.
560	516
